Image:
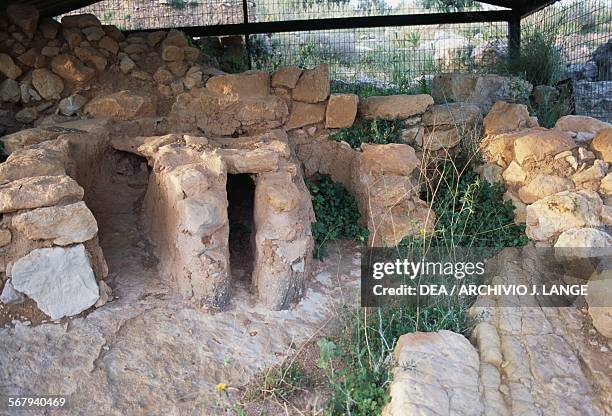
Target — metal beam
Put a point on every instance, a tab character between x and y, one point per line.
346	23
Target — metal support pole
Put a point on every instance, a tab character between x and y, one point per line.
514	36
247	36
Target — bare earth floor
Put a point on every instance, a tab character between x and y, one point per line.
146	354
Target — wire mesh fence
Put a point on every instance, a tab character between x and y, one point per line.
391	59
581	30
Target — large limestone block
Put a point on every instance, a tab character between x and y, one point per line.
313	85
507	117
437	139
583	243
256	83
67	224
458	115
599	301
304	114
537	144
122	105
444	376
71	69
341	111
542	186
602	144
41	191
59	279
560	212
202	215
30	163
286	77
388	159
582	128
48	85
394	107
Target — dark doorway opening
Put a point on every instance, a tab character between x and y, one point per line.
241	201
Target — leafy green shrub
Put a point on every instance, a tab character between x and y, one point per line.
336	213
374	131
358	363
471	212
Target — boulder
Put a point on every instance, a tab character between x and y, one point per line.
602	144
594	173
304	114
64	225
439	139
444	377
581	128
25	16
122	105
394	107
109	44
91	56
490	172
172	53
93	33
126	64
583	243
59	279
506	118
313	85
8	67
71	69
538	144
388	159
554	214
9	295
598	299
80	21
10	91
71	105
482	90
48	85
341	111
256	83
514	174
542	186
460	116
286	77
40	191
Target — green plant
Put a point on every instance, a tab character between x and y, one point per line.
279	382
376	131
336	213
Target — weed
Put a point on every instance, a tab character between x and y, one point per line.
376	131
336	213
279	383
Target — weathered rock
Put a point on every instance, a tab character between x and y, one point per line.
459	116
9	295
542	186
67	224
71	69
304	114
5	237
598	299
537	145
93	33
255	83
444	377
582	128
313	85
341	111
106	294
59	279
122	105
176	38
506	118
41	191
26	115
10	91
190	53
550	216
49	28
605	186
126	64
109	44
389	159
520	209
593	173
172	53
163	76
25	16
437	139
80	21
286	77
514	174
72	104
394	107
482	90
8	67
579	243
48	85
490	172
602	144
91	56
